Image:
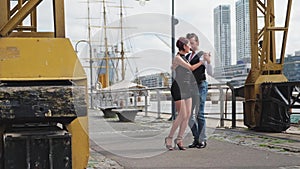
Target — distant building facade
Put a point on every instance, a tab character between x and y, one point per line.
243	43
235	74
222	35
291	67
155	80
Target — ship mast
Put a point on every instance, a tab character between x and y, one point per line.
122	43
106	46
106	53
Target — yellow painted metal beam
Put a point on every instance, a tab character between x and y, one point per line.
59	21
80	142
287	23
26	9
39	58
19	6
33	19
277	28
4	12
253	34
32	34
21	28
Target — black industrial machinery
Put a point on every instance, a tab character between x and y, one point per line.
43	92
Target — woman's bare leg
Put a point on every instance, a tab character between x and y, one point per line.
186	112
178	120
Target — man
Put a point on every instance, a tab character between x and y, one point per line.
198	123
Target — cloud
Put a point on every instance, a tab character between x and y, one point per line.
151	60
293	40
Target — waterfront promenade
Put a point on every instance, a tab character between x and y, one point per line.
137	145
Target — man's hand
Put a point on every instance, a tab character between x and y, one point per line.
174	65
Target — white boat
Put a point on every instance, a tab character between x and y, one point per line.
124	94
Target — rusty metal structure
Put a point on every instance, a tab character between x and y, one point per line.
267	92
43	92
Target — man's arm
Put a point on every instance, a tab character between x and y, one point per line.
206	57
209	69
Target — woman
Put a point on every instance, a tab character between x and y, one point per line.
181	92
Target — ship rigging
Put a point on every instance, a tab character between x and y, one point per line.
109	62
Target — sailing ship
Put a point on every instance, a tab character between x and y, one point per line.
110	53
111	87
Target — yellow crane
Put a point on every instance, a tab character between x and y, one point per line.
43	92
267	92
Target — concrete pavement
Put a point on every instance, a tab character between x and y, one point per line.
218	155
140	145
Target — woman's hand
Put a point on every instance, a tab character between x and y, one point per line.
206	57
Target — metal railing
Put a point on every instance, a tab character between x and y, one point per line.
139	98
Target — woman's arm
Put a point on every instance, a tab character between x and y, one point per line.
179	61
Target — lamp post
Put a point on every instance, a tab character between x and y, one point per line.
91	68
174	22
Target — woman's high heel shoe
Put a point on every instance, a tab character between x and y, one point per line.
169	147
178	142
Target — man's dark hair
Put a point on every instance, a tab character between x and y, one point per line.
192	35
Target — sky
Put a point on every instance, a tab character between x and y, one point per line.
149	35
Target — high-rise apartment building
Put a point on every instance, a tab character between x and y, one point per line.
243	46
222	35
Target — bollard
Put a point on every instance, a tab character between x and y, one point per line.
233	101
158	104
146	105
221	107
